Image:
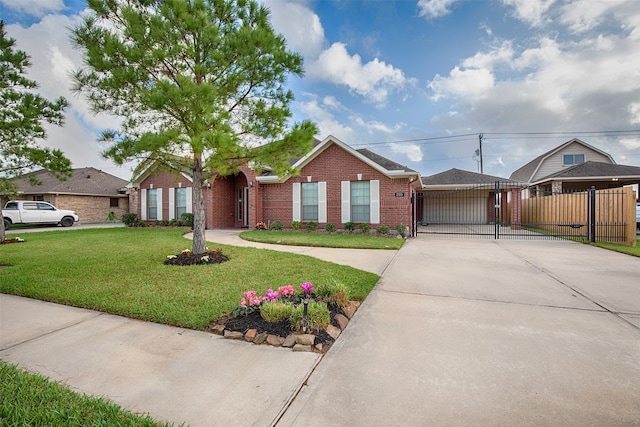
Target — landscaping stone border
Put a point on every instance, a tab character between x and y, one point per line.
296	341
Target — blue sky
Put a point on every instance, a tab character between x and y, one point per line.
415	80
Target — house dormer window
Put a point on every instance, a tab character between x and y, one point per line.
572	159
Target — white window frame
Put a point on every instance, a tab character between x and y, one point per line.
297	202
374	201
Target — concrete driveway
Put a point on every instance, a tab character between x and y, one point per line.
481	332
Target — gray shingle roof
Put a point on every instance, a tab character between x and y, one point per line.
596	169
85	181
389	165
460	177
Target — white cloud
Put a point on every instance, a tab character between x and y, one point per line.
432	9
634	112
500	54
374	80
630	143
324	119
37	8
531	12
299	25
412	151
474	83
583	15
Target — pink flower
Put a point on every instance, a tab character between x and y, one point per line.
271	295
307	287
250	298
286	291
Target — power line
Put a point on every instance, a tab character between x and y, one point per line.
502	135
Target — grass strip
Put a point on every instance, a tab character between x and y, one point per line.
121	271
325	240
28	399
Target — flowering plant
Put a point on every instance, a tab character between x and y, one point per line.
251	302
307	287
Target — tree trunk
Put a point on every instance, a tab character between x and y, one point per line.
2	230
199	238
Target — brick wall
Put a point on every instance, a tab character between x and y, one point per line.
220	198
165	180
333	166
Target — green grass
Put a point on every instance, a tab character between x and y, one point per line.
121	271
326	240
625	249
32	400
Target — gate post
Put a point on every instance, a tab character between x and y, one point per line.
496	215
516	208
591	214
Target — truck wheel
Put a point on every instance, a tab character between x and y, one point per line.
7	223
67	221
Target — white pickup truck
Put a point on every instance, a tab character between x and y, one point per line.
29	212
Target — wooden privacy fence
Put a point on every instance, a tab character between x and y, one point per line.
599	215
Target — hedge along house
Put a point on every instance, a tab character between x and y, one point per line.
336	184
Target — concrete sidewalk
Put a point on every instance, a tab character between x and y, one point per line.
487	333
173	374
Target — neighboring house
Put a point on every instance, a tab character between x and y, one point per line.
92	193
575	166
336	184
462	197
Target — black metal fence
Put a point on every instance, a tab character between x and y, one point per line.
504	210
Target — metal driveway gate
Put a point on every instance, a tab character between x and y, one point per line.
513	211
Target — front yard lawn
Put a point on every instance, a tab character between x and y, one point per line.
325	240
32	400
121	271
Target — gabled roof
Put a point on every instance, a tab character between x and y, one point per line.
377	162
594	170
149	166
84	181
528	171
456	178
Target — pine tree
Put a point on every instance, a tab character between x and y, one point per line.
23	114
195	79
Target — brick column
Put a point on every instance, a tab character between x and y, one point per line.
516	209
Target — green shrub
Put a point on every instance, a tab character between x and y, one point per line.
162	223
111	217
333	293
383	229
349	226
318	315
312	226
130	219
296	225
402	230
364	227
276	226
275	311
330	227
187	219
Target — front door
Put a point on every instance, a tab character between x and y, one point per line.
243	206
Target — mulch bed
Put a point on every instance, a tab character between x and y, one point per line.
281	329
14	240
213	257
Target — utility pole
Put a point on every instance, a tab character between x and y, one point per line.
480	136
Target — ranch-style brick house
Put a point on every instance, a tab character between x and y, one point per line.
336	184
